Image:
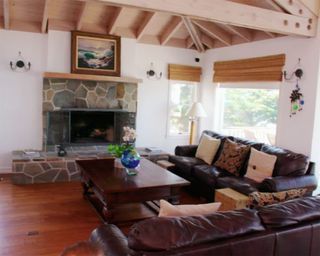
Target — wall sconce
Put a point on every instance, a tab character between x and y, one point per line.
298	73
152	74
20	64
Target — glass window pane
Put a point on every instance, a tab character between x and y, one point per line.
250	113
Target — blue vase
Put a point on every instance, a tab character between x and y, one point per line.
130	159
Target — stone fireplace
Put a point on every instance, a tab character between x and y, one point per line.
82	115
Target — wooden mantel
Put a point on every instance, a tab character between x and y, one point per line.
92	77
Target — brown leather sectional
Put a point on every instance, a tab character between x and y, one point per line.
285	229
292	170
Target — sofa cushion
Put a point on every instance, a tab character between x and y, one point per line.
183	231
288	162
169	210
208	148
185	163
258	199
241	184
208	174
260	165
232	157
291	212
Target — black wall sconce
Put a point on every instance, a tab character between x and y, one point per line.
152	74
298	73
20	64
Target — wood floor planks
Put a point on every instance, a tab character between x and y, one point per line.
55	215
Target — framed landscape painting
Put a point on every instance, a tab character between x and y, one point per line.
95	54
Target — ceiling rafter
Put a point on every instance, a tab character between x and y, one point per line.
6	13
207	41
189	42
45	16
84	9
227	12
172	27
147	21
214	31
115	20
270	34
296	7
273	5
244	33
194	33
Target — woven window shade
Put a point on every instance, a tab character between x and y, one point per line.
268	68
184	73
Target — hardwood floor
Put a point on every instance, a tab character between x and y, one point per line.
42	219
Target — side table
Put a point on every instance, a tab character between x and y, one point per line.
230	199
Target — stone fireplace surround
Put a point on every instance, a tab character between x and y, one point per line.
59	94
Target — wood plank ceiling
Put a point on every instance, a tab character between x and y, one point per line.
149	25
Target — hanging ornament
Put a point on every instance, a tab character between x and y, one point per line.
297	100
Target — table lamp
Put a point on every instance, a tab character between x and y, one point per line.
194	113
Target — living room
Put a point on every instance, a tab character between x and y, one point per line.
44	40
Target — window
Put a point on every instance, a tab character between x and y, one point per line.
249	113
181	97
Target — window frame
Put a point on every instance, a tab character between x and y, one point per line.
219	100
169	105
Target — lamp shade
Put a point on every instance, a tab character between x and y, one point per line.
196	110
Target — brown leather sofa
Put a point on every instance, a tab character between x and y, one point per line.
292	170
286	229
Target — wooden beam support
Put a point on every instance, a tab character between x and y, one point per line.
189	42
227	12
194	33
313	6
6	13
296	7
174	24
207	41
147	20
45	16
270	34
114	21
83	11
244	33
214	31
273	5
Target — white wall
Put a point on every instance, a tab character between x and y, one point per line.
20	107
293	133
20	104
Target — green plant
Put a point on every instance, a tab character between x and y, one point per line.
117	150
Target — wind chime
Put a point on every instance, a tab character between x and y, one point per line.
296	97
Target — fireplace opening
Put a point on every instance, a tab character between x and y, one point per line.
92	127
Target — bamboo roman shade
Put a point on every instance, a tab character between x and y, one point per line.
184	73
267	68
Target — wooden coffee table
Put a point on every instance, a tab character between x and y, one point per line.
107	187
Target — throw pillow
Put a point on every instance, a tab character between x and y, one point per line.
169	210
260	165
258	199
207	148
232	157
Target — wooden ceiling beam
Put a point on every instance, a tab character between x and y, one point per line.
113	24
82	14
194	33
273	5
228	12
207	41
244	33
45	17
313	6
214	31
173	26
6	13
270	34
189	42
147	21
296	7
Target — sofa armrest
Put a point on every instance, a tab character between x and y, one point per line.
187	150
111	240
281	183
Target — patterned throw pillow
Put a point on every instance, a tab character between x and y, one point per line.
232	157
258	199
